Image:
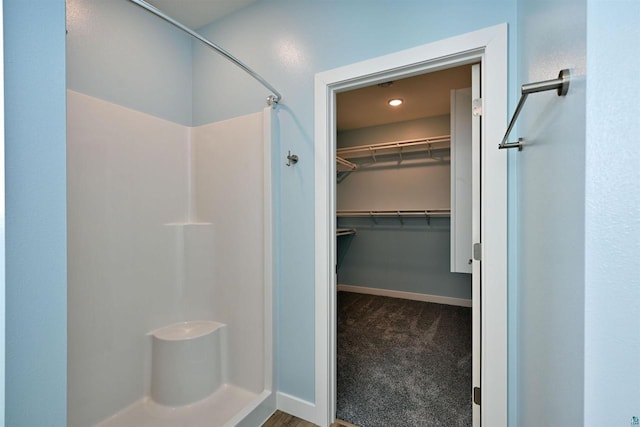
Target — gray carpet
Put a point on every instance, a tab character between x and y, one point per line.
403	363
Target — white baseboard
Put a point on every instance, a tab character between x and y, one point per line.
406	295
296	407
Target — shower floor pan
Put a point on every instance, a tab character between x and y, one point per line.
227	407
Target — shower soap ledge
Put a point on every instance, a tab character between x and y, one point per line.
184	224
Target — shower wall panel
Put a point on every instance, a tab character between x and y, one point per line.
127	177
228	179
166	224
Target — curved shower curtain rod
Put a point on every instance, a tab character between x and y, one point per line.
271	99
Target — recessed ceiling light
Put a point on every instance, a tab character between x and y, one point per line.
395	102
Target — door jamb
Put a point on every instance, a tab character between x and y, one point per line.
488	46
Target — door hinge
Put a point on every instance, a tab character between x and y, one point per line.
476	107
477	251
476	395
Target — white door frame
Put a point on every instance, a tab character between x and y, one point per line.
488	46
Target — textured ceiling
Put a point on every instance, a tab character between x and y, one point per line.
197	13
426	95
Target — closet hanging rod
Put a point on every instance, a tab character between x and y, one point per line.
272	99
561	84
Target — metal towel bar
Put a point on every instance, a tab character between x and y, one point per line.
561	84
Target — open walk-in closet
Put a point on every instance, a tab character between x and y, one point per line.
403	208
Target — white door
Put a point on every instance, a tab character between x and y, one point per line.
465	205
476	237
461	181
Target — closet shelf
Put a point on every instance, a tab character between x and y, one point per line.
345	231
429	145
427	213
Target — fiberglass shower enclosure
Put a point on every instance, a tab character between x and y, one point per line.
170	271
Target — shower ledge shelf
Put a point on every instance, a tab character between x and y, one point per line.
183	224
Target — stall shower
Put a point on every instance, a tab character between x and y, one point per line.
170	292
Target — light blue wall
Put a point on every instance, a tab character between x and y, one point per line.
288	42
409	257
118	52
35	135
612	325
3	252
551	217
